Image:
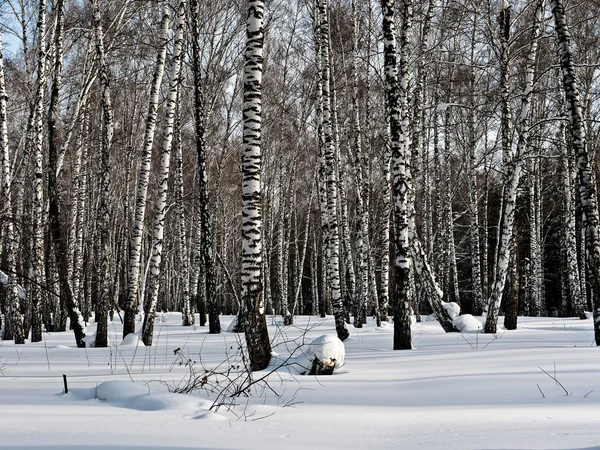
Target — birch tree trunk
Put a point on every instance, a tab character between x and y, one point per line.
396	94
448	216
513	169
80	181
477	305
182	251
331	183
8	241
205	238
577	302
163	181
535	251
103	219
362	185
587	189
321	172
257	335
137	230
37	266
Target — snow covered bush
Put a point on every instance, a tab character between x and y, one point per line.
453	309
322	356
467	323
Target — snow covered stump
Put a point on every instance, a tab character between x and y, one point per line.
323	355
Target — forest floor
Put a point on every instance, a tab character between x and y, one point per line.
452	391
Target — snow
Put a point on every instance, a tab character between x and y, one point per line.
467	323
232	325
328	349
132	340
452	391
452	308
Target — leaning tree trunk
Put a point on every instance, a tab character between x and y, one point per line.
163	181
506	127
331	179
206	241
396	93
587	189
137	230
8	241
513	170
257	335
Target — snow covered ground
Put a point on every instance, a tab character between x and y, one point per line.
453	391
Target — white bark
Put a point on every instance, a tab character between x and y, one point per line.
397	97
137	230
163	180
331	188
37	266
103	219
513	171
8	242
587	186
257	336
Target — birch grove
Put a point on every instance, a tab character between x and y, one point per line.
376	161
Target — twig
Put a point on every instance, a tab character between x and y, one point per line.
495	338
467	341
555	379
46	349
540	390
263	417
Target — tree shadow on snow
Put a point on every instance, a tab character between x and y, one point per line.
568	448
104	447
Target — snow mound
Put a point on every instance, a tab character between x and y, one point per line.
114	391
137	396
467	324
161	402
132	339
452	308
90	341
328	349
109	391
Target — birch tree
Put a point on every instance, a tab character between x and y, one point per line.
587	188
137	230
205	232
362	188
569	227
257	335
8	242
37	266
103	207
396	92
163	182
331	186
514	169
